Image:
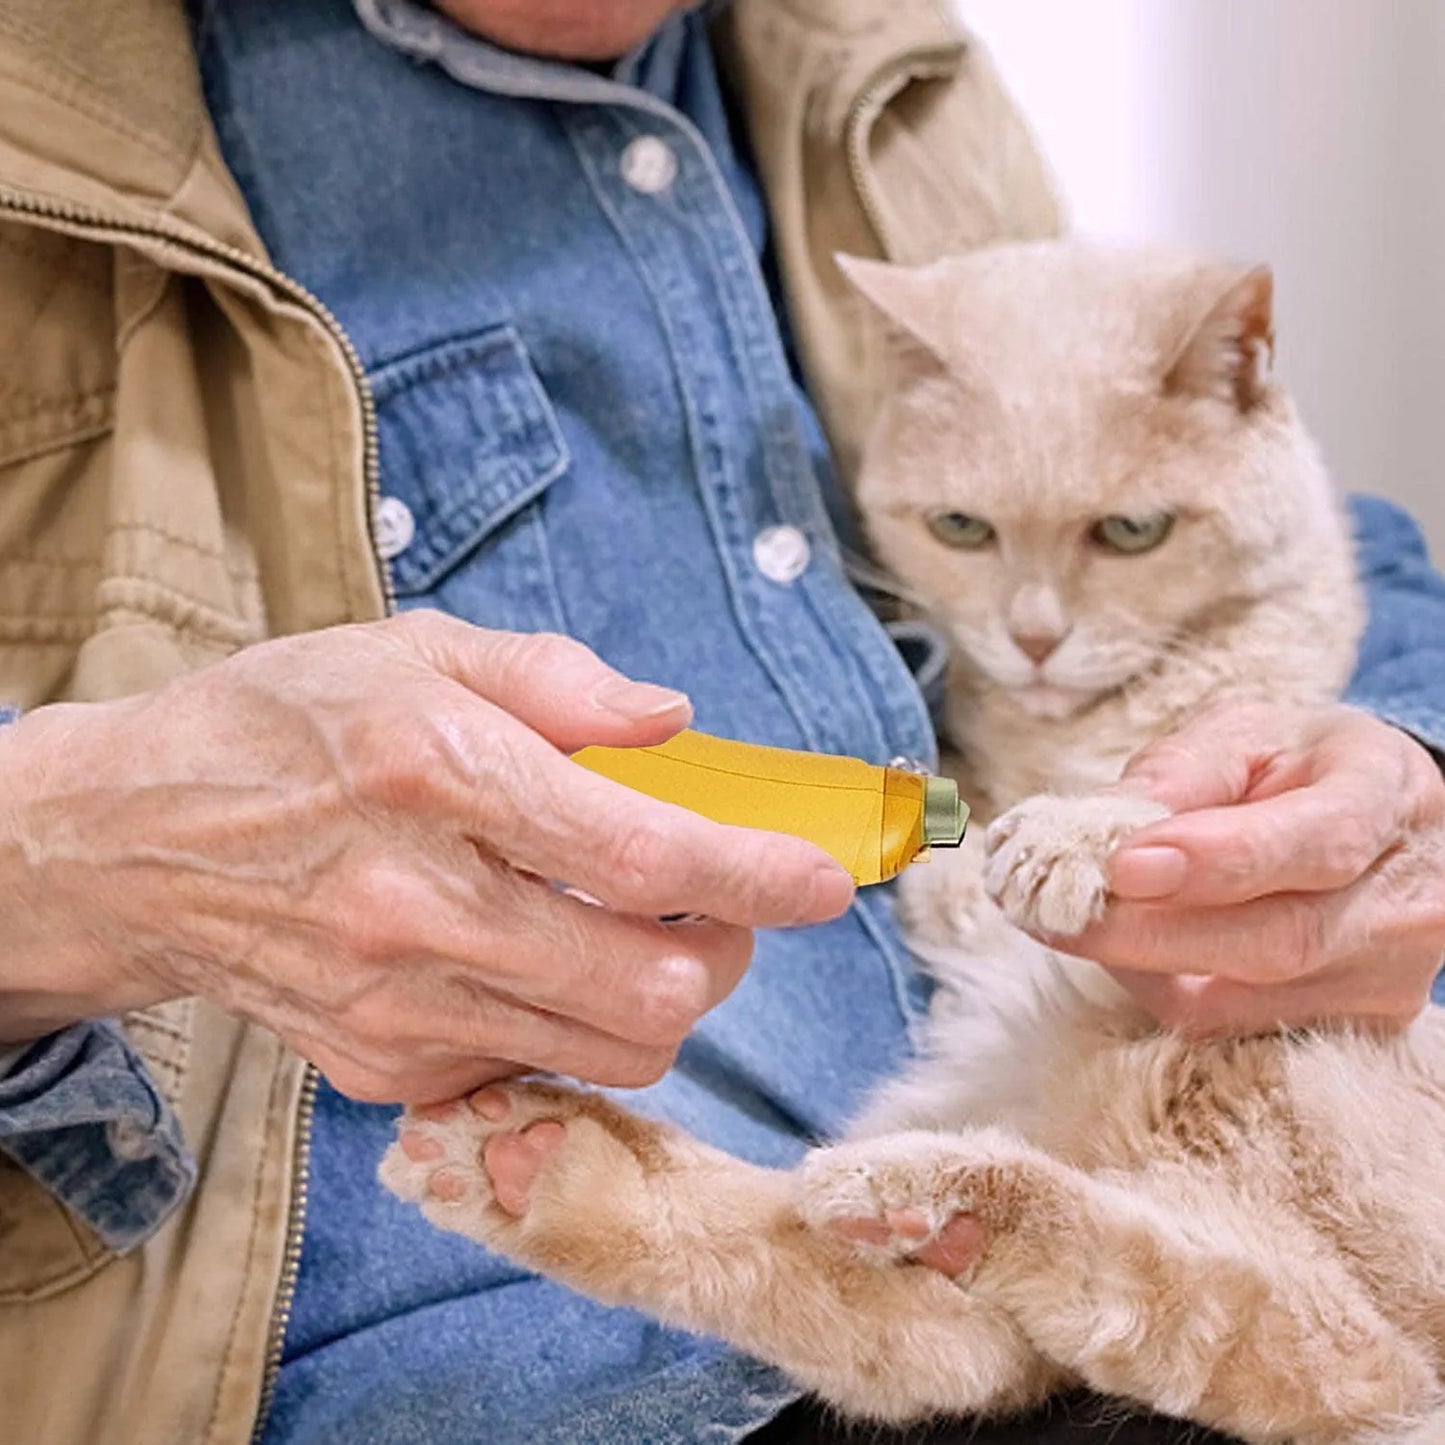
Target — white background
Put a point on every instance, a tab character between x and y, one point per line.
1306	133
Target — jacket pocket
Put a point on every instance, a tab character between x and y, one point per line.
469	442
57	343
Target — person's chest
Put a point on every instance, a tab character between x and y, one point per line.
587	418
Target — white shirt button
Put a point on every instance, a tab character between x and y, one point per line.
649	164
782	554
395	527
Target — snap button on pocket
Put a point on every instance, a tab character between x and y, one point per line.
395	527
128	1140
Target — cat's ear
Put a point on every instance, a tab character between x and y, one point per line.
1228	354
907	299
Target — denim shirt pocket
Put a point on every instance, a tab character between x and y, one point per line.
469	442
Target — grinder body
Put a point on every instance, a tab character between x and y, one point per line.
874	821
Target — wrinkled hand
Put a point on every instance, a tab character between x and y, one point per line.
347	837
1302	878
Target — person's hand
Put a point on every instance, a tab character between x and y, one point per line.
352	836
1302	878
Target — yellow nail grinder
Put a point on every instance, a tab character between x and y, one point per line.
874	821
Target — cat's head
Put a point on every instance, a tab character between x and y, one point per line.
1083	458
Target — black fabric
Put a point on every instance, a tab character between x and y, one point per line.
1070	1420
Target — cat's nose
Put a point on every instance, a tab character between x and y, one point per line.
1037	646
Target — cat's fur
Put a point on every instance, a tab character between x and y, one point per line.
1250	1233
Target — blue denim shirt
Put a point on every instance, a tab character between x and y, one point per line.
588	422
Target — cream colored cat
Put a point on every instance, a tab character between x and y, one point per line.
1087	475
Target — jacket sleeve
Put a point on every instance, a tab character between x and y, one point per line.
1400	674
80	1113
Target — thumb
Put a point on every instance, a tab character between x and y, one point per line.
1210	762
556	686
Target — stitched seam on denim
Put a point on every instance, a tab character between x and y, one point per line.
727	545
548	573
430	558
788	467
525	467
438	359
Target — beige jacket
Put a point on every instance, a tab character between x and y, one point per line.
187	462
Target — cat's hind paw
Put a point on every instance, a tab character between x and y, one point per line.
1046	859
515	1164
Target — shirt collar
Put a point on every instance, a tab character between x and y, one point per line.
420	31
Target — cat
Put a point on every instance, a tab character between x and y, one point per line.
1087	474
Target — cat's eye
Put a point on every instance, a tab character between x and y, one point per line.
958	529
1132	535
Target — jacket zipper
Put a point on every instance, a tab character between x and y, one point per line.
18	204
870	102
291	1257
872	99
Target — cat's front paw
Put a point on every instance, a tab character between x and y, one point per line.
1047	858
517	1166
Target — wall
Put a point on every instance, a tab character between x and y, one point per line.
1307	133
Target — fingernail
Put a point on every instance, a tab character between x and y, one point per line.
639	700
1147	874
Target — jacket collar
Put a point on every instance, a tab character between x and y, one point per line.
101	107
101	113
